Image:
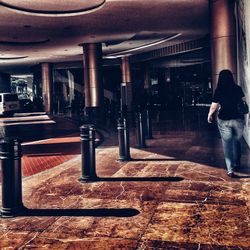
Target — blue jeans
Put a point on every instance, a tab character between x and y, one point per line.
231	133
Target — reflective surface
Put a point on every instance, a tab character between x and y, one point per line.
204	210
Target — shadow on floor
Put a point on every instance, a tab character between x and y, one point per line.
98	212
155	159
237	176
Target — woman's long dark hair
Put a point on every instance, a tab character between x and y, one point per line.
226	80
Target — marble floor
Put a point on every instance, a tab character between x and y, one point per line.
173	194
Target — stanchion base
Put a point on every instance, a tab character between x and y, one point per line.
141	146
11	212
88	179
124	159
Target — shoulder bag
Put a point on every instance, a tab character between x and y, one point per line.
242	107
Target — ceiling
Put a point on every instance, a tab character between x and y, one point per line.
33	31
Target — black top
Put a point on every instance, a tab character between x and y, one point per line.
228	100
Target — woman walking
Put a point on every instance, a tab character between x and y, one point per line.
230	122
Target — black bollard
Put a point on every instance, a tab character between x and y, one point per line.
148	125
140	134
88	153
10	156
124	111
123	139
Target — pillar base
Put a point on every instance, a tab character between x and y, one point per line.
128	158
88	179
11	212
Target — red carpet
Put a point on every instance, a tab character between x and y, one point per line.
41	155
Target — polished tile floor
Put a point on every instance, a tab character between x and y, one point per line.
174	194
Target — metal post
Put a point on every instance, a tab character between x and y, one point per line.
124	111
124	101
123	138
148	125
88	153
92	152
126	136
10	156
140	135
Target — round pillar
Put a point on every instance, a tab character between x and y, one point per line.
126	74
46	73
223	38
92	63
126	85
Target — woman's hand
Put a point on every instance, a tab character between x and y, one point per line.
214	106
210	118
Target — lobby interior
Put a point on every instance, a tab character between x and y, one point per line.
174	192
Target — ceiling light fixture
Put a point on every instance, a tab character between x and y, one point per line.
13	58
195	60
22	43
128	51
51	9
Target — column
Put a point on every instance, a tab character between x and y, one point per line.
146	76
93	83
71	87
126	85
46	73
223	38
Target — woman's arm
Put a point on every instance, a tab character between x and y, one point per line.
246	116
214	107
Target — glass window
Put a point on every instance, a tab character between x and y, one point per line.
10	98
